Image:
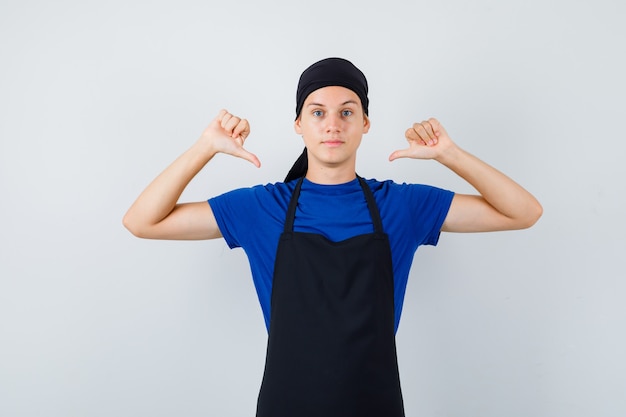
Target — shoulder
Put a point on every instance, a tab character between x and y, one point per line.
420	202
259	200
391	189
244	214
270	191
412	213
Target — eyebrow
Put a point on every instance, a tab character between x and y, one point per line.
343	104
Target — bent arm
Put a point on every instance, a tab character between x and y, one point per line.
156	214
502	204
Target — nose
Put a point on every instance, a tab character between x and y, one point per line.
333	122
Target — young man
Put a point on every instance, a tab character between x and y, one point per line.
330	252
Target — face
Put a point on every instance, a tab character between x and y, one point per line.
332	124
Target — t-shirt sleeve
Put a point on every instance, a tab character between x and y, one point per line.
230	211
431	205
248	217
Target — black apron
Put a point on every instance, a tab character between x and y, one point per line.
331	349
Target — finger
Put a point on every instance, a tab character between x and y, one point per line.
401	153
420	133
221	114
242	130
413	136
425	132
437	127
224	116
429	127
230	124
248	156
217	121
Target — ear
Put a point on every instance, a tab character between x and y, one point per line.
297	127
366	123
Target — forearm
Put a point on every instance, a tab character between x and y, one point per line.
160	197
502	193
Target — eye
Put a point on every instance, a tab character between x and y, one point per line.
318	113
346	113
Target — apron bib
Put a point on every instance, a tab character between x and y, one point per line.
331	348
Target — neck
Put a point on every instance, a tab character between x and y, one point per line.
330	176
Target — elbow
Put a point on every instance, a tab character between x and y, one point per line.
132	226
533	215
537	212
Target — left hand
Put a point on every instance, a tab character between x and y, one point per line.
427	140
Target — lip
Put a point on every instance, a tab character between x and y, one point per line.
333	143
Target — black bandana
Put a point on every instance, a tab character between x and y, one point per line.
331	72
325	73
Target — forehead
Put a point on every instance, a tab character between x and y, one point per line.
332	95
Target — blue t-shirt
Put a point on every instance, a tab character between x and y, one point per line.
253	219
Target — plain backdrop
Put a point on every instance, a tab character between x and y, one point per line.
96	98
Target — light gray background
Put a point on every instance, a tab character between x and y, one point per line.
96	98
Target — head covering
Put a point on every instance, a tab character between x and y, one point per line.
325	73
331	72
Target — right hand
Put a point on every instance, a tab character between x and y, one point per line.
227	134
427	140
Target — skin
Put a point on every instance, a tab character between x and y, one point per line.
332	124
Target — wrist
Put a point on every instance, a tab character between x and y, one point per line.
450	156
203	151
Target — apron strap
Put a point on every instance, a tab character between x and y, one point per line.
369	198
293	203
371	204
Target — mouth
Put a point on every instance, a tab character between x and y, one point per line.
332	143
